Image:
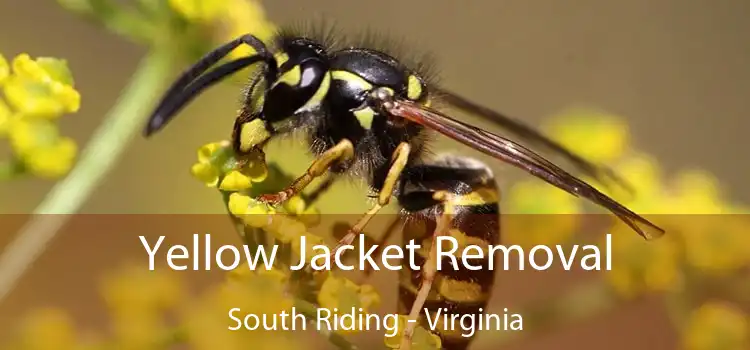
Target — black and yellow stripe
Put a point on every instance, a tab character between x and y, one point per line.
476	215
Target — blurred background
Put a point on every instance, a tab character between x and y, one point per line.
674	71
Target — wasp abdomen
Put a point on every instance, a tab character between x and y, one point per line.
461	287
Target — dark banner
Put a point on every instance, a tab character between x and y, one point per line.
525	281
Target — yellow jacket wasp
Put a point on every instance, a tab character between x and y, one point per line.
367	114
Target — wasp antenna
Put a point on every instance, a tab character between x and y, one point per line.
186	87
169	107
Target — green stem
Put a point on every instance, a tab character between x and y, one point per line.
122	123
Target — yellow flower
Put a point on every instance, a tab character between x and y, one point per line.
421	340
54	161
27	135
215	161
211	158
234	18
295	205
341	295
298	207
239	204
138	300
310	217
206	173
693	210
41	148
253	213
640	266
552	214
690	192
244	273
6	116
44	69
693	203
138	328
717	326
244	17
716	244
262	292
4	69
48	329
209	150
286	228
235	181
268	286
199	10
537	197
696	192
37	92
136	286
597	136
41	88
642	172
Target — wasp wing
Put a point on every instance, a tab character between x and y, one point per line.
529	134
519	156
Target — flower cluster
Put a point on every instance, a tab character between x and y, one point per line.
151	310
232	17
554	211
56	326
576	129
205	323
705	240
217	167
215	160
37	92
343	294
690	206
188	28
717	326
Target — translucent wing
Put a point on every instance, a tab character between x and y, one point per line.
528	134
519	156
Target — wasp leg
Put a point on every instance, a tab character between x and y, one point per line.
429	269
398	163
314	195
342	230
342	151
381	242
